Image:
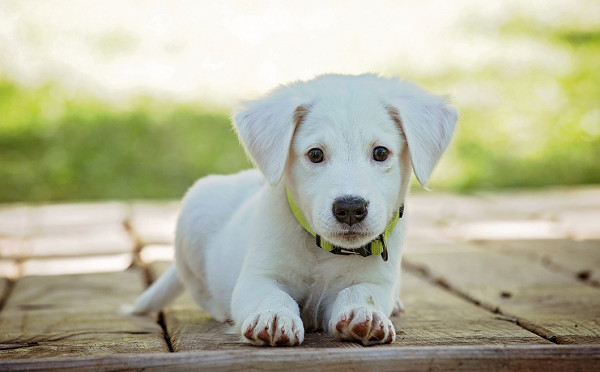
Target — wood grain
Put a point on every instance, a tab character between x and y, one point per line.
541	213
534	358
154	223
189	326
76	315
76	264
9	269
580	259
552	304
94	240
432	317
3	290
25	221
451	289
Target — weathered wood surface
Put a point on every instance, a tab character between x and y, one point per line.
93	240
580	259
435	317
531	256
64	239
191	327
541	214
432	317
76	264
24	220
9	268
533	358
76	315
551	304
4	287
154	223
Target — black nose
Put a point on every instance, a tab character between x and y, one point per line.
350	209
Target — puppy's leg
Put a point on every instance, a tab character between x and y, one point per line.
398	307
268	315
357	315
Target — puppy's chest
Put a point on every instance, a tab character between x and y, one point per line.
326	276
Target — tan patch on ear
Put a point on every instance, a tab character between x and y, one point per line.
300	113
395	115
404	155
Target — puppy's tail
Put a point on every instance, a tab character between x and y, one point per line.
160	293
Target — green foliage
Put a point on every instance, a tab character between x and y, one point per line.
531	125
52	149
527	124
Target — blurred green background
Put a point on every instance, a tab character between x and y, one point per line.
84	149
522	125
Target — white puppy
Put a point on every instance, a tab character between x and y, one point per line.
334	160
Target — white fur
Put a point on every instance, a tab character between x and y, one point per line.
244	257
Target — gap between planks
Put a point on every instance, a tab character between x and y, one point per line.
433	317
69	315
160	320
6	287
550	304
426	275
138	245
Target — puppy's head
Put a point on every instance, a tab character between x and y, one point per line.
344	146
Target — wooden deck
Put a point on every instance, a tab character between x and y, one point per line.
500	281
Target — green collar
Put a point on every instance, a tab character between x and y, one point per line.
377	246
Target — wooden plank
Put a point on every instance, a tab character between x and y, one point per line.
554	213
429	215
432	317
380	358
54	218
76	315
76	265
551	304
4	285
157	252
154	223
541	203
580	259
581	225
16	220
86	241
192	328
24	220
505	229
189	326
9	269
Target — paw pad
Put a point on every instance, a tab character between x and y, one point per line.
364	325
274	329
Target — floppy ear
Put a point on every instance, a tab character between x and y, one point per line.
427	122
265	128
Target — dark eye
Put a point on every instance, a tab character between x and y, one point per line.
380	153
315	155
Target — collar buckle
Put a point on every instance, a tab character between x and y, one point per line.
384	254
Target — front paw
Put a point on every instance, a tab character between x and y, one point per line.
362	324
275	328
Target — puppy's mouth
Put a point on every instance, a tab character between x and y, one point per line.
352	239
351	235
